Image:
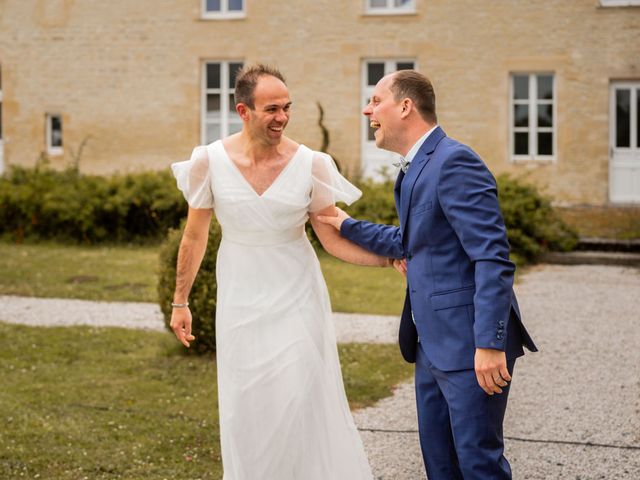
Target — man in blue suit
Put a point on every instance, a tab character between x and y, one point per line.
461	323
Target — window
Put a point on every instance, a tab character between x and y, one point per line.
619	3
375	161
219	109
389	7
533	117
54	134
222	9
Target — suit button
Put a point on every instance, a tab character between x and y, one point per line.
413	290
409	256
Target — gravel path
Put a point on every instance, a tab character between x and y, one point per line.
574	411
574	407
49	312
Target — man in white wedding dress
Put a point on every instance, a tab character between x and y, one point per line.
283	410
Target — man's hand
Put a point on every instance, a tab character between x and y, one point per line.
335	221
491	370
181	325
400	265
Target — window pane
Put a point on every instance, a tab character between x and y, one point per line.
521	87
402	3
213	104
213	5
521	115
623	120
235	128
545	143
545	115
404	66
521	144
235	5
213	132
375	72
233	72
213	75
545	87
378	3
56	131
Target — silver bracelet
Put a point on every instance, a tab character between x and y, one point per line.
180	305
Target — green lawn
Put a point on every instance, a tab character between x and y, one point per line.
108	403
128	273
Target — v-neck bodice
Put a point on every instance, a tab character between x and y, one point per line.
281	174
308	183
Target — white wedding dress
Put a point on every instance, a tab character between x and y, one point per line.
283	410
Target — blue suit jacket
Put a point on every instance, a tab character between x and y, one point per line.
459	276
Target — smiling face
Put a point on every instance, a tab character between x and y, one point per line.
265	123
385	116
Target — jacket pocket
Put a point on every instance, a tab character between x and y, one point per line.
453	298
420	208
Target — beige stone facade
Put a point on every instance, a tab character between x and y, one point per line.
128	76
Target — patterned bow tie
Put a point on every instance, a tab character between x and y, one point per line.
403	164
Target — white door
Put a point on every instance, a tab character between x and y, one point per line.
374	161
624	141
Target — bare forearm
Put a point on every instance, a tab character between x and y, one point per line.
190	257
191	252
345	250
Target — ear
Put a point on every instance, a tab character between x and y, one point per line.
243	111
407	107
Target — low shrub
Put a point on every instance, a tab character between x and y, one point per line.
42	203
202	299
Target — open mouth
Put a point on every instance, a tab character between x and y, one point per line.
276	129
374	124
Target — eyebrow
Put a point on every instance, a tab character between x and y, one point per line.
271	105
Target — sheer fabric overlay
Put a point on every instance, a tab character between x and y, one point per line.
283	409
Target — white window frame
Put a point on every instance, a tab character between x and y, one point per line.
224	13
54	149
620	3
390	8
533	128
224	91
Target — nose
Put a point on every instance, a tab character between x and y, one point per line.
282	116
368	110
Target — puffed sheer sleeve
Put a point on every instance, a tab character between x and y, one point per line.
329	186
194	180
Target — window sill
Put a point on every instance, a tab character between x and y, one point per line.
206	17
533	160
389	13
55	151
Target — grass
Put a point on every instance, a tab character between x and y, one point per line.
128	273
620	223
108	403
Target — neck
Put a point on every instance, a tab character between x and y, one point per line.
258	150
413	135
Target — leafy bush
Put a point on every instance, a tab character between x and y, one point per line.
42	203
202	299
533	226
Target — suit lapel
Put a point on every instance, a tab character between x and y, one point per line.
418	163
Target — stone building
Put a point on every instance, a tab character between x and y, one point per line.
547	89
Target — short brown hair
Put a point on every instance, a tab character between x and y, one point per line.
417	87
247	79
